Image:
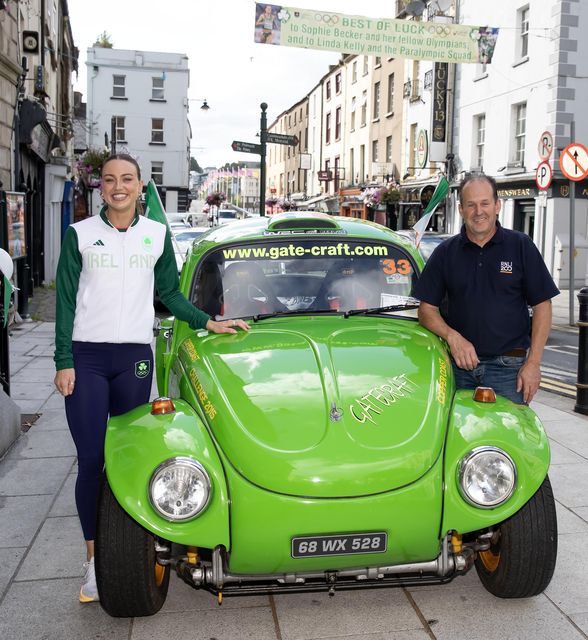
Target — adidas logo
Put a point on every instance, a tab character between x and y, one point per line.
98	243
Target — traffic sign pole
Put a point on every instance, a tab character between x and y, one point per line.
263	138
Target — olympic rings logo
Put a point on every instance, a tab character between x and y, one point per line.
326	18
439	30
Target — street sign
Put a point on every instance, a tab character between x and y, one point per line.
573	161
545	146
422	149
280	138
544	175
246	147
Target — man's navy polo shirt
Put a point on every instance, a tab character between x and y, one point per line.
488	288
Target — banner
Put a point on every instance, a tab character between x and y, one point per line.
440	42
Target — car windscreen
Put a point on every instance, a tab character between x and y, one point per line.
187	236
294	275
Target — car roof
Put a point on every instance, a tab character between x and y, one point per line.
303	224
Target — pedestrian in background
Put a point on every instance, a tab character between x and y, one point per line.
489	276
106	274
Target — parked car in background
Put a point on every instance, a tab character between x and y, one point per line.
327	448
429	242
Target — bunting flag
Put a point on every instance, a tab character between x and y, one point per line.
438	196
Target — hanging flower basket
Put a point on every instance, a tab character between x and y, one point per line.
89	166
215	198
373	197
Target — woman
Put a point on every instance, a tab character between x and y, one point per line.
104	325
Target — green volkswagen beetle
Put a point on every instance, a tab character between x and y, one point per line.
327	448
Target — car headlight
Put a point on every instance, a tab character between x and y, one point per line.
179	489
487	477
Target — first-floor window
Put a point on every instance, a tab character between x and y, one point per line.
121	135
157	130
157	172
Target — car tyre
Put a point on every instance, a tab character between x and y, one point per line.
521	560
130	580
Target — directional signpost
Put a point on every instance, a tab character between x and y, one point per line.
280	138
246	147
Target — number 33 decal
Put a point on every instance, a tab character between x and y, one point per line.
396	266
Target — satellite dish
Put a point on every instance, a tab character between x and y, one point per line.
416	7
6	264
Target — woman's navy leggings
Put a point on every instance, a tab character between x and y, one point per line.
110	379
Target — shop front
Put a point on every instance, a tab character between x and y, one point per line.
413	201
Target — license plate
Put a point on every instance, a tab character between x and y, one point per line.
335	545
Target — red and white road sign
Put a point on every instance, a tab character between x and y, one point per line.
544	175
545	146
573	161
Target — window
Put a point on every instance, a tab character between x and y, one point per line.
376	100
390	99
157	89
338	83
120	128
365	65
415	94
412	149
480	137
362	163
157	130
328	129
157	172
118	86
520	115
354	71
363	108
375	151
523	20
352	175
352	122
338	123
377	61
294	118
328	90
389	149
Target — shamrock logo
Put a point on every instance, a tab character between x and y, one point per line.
142	368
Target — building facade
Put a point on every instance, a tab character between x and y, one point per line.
139	100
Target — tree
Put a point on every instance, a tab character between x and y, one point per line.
103	40
194	166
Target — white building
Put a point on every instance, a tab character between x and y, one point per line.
535	83
146	93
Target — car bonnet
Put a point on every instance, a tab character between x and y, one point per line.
325	406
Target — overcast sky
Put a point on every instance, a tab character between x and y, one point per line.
227	67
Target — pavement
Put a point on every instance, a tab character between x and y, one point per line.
41	546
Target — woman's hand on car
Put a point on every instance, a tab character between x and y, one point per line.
226	326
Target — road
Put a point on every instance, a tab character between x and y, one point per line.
560	363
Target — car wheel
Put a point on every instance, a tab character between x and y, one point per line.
130	580
521	559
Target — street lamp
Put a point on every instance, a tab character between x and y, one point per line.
205	106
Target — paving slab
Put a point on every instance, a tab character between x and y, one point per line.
30	406
568	521
31	390
306	616
53	402
51	420
22	516
582	621
569	484
477	615
569	587
65	504
49	610
22	477
43	444
57	552
561	454
9	559
32	373
255	623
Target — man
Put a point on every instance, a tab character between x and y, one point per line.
490	275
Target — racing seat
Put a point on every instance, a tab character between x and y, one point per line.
247	291
348	285
209	289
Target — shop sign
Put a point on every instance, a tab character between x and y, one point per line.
439	128
422	149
